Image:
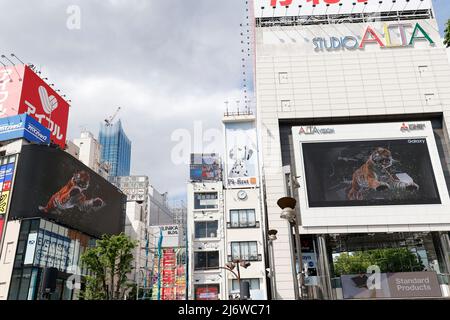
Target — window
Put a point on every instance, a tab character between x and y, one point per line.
206	260
245	250
243	219
285	105
206	200
207	292
283	77
254	284
206	229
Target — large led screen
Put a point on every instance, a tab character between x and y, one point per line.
369	173
50	183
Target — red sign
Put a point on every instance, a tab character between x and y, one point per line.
2	223
207	293
23	91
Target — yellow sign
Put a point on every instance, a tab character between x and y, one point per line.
4	202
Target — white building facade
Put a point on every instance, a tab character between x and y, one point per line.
225	221
351	72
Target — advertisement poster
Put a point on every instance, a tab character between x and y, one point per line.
6	176
23	127
205	167
210	292
70	193
363	173
241	155
391	285
171	278
23	91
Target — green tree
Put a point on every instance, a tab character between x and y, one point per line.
447	34
389	260
109	264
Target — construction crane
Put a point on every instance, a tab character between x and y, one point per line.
110	120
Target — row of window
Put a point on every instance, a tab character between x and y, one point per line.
238	219
242	250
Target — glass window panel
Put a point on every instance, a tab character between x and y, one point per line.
235	250
33	285
245	251
15	283
200	230
243	222
251	217
253	248
34	225
200	261
213	259
234	218
212	227
24	284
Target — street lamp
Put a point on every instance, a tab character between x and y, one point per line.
272	235
237	263
287	205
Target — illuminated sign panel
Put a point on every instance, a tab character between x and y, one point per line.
370	174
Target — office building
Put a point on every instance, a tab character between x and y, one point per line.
116	148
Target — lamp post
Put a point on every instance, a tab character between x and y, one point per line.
287	205
272	236
236	264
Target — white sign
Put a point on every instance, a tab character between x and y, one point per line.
241	155
31	249
290	8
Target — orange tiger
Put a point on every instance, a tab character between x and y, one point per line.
373	175
71	195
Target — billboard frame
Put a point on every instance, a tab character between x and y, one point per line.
388	217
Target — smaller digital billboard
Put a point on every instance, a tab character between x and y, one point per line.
205	167
23	126
374	172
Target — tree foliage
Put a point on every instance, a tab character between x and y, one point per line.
447	34
389	260
109	264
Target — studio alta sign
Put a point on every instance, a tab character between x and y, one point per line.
392	36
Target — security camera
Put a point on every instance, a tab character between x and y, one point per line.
272	232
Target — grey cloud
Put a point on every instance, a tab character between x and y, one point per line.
168	63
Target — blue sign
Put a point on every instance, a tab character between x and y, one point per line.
23	126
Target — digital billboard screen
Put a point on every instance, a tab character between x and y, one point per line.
370	172
50	183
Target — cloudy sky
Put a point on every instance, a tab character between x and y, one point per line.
170	65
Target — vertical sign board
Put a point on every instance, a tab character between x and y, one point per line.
241	165
31	249
6	187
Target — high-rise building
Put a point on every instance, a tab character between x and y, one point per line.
116	148
353	105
